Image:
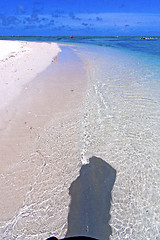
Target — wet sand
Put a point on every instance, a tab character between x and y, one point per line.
39	149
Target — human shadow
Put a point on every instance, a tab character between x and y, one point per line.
90	193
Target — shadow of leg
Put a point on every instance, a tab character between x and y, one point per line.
91	200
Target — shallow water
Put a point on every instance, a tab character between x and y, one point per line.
147	51
119	123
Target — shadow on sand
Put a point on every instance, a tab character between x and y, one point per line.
91	201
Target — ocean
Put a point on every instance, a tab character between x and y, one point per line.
146	51
133	43
136	44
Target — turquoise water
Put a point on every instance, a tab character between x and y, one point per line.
145	52
151	46
121	125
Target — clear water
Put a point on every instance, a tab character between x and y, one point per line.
120	124
144	51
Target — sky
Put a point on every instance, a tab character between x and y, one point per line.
79	17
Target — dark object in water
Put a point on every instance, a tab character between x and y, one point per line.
72	36
72	238
89	210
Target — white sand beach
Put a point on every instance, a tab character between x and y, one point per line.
20	62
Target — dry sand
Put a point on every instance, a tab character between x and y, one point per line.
20	62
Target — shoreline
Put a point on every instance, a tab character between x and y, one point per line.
101	107
47	105
23	61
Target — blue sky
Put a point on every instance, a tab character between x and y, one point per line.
79	17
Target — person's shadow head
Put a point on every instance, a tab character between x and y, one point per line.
90	193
